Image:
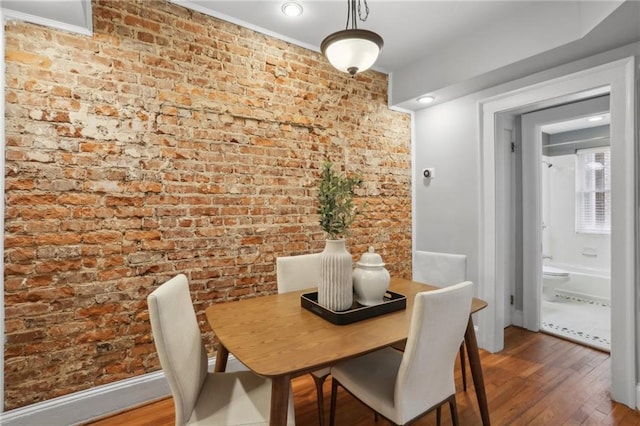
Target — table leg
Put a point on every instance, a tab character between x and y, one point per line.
476	371
280	388
221	359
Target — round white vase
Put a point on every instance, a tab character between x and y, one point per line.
370	279
335	289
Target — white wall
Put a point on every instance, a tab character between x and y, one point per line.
559	238
447	206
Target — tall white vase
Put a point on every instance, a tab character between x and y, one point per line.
335	289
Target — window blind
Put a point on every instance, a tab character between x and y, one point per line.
593	195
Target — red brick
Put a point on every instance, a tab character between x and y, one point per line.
171	142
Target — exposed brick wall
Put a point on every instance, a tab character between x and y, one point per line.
171	142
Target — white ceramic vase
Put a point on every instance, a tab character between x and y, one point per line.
370	279
335	289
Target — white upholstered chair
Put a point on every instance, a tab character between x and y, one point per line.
299	273
403	386
200	397
442	270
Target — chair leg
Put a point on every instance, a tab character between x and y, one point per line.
334	394
438	415
463	367
319	381
454	410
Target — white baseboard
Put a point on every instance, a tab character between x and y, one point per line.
81	407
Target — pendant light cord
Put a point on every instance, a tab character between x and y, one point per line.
351	13
366	10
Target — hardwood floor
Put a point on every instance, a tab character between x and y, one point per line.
537	380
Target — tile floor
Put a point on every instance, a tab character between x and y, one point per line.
583	321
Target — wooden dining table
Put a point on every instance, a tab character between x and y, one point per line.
275	337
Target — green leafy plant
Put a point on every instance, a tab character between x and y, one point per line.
335	196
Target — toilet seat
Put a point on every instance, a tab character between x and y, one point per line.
551	271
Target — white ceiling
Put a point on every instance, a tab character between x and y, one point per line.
576	124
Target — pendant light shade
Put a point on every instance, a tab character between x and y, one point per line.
352	50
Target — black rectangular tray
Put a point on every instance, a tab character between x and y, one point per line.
392	302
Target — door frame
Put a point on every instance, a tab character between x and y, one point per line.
506	184
617	78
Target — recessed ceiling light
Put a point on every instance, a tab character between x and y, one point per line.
426	99
292	9
596	118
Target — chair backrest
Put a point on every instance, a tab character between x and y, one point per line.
439	269
439	320
179	344
297	272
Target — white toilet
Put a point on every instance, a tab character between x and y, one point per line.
552	278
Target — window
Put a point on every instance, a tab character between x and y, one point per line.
593	191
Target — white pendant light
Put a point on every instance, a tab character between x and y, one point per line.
353	50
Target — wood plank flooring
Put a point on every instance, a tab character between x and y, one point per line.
536	380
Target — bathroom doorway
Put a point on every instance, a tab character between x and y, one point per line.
569	156
576	229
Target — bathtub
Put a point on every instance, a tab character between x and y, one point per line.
584	283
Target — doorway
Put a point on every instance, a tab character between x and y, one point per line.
568	148
617	79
